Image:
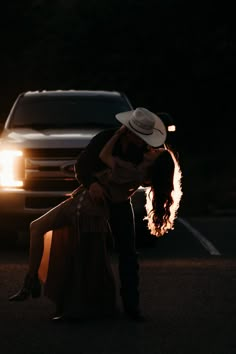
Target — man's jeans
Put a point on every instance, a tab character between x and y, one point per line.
123	229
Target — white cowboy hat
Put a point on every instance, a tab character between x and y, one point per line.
147	125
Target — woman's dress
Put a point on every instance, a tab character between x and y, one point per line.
76	268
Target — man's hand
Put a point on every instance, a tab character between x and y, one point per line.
96	192
121	130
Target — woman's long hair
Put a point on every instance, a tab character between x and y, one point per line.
164	194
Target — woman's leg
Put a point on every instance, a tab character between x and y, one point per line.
53	219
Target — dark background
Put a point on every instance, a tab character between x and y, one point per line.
166	55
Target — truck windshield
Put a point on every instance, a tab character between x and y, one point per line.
63	112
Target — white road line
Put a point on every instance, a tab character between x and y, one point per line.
203	240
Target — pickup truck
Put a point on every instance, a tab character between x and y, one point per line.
43	135
41	139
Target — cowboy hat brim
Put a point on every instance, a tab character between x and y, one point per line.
155	139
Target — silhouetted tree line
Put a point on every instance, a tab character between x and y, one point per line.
168	55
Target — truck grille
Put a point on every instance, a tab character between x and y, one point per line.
43	203
50	169
52	153
54	185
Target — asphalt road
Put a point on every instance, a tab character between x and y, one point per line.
188	289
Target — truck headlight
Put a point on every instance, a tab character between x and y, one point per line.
171	128
11	168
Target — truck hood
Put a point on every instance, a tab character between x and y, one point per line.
47	138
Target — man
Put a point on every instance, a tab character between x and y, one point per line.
143	128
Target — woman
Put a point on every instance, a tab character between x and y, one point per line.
81	231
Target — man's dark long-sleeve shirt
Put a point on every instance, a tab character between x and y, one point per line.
88	162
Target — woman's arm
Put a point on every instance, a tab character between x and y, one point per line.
106	153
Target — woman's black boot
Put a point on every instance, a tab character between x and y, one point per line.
31	287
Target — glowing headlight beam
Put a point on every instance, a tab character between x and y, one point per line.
171	128
8	165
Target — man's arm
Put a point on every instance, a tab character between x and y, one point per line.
88	162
